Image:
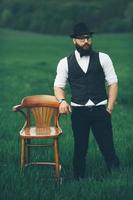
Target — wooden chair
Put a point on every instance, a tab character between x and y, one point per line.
43	112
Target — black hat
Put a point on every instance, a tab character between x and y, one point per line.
80	29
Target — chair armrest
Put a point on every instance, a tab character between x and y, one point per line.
16	108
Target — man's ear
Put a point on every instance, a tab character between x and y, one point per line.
74	40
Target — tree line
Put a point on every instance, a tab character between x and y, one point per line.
58	16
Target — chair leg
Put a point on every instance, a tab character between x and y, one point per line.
22	153
56	157
27	153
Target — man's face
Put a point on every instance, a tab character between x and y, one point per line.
83	45
83	42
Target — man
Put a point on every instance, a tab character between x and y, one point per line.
86	71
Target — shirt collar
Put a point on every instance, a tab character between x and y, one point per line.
77	55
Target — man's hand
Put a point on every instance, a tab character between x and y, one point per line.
109	110
64	108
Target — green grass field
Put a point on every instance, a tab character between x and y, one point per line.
27	67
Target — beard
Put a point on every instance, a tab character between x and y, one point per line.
84	50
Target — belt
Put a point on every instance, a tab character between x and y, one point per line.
90	108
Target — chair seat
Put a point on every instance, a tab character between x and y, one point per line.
33	132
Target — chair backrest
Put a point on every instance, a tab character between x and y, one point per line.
41	110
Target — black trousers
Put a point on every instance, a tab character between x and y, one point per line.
99	120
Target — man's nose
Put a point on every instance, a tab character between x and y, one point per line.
86	40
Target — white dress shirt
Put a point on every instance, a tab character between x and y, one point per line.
106	63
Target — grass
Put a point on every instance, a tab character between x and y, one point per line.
28	66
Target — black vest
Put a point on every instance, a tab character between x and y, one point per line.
89	85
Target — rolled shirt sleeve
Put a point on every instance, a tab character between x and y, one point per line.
108	68
62	73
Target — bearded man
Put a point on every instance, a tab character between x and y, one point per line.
87	72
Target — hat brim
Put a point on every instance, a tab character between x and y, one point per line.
75	36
